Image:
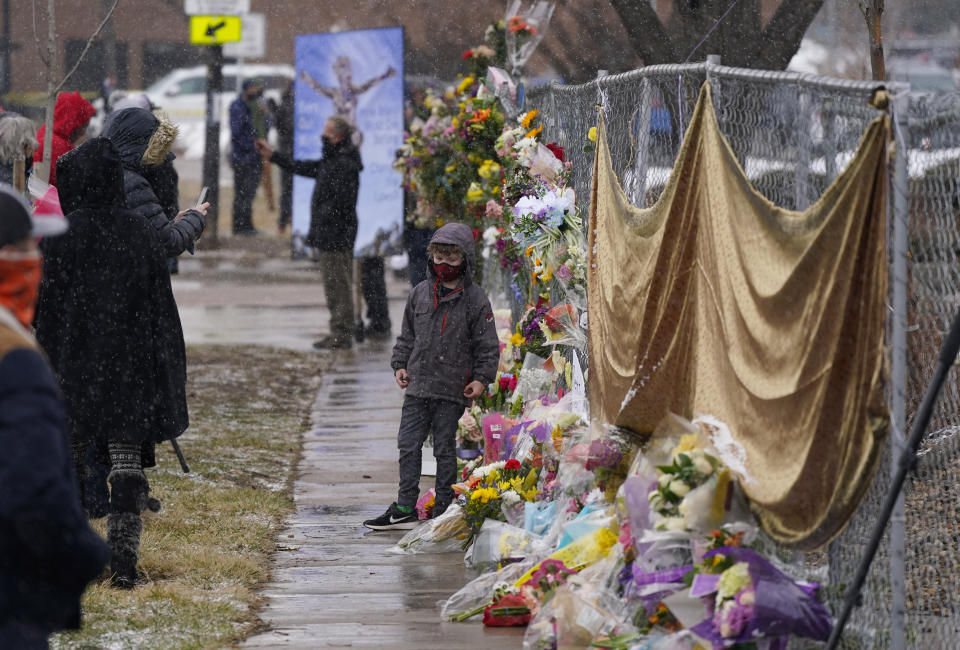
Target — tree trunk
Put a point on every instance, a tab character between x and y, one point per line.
647	35
53	71
872	13
737	36
780	38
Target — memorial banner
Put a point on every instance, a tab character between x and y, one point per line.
357	75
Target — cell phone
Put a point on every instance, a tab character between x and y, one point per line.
203	196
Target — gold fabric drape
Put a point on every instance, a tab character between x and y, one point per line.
715	301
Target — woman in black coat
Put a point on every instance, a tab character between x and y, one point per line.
107	319
143	142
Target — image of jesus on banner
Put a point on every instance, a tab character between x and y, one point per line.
345	96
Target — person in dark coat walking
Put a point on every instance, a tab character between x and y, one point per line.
143	142
48	552
107	319
333	221
248	125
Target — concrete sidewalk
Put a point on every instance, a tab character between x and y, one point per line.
335	583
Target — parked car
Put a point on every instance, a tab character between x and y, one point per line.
182	95
182	92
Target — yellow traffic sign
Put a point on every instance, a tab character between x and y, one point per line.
214	30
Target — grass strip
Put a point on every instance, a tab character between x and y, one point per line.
204	555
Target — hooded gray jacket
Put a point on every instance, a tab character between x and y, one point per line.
448	341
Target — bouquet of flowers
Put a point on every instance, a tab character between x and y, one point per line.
751	600
492	489
440	534
469	433
425	504
694	490
525	29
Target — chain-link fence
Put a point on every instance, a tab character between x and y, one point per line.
793	134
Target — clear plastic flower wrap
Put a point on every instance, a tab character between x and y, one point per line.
573	616
500	543
539	516
592	517
470	599
534	379
691	489
444	534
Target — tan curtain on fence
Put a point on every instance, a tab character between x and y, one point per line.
715	301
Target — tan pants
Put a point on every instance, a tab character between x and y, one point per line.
337	269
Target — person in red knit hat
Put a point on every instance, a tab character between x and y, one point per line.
71	115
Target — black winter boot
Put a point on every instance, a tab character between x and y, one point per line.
123	538
128	498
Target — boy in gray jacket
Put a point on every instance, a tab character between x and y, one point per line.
445	356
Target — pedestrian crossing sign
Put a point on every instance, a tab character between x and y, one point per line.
214	30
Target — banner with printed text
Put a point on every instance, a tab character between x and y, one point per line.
357	75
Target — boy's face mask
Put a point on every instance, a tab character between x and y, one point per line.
19	283
447	272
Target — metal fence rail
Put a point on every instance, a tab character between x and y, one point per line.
793	134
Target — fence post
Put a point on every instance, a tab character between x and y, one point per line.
827	117
801	175
898	381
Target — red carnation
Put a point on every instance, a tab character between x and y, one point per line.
513	463
467	54
557	151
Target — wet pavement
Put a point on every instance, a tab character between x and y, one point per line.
334	583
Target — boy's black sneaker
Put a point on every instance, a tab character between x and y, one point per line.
393	519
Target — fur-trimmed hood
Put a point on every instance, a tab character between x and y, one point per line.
141	138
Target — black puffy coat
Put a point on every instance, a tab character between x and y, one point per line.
333	208
106	315
133	131
48	552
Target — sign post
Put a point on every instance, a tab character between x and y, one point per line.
211	149
213	23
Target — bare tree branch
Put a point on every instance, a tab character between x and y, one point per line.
647	35
737	38
781	37
86	47
36	38
872	10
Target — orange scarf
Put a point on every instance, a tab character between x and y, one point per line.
20	275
